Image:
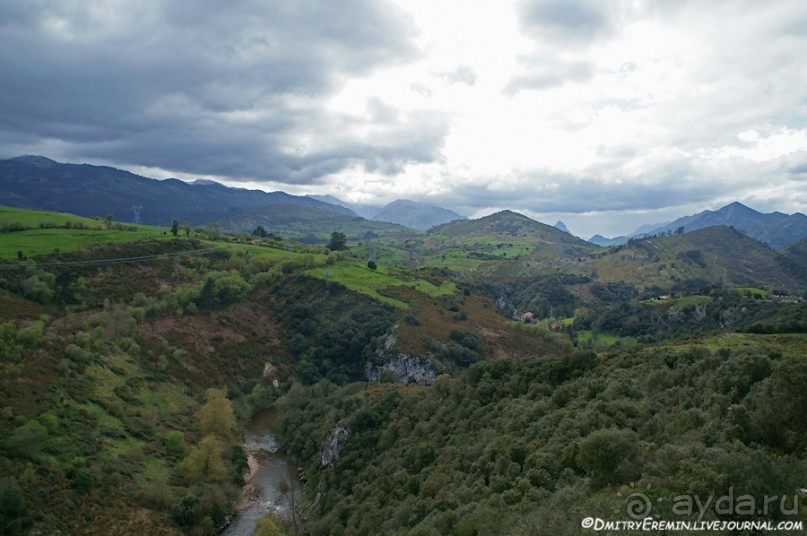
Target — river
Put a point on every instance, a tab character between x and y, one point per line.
274	480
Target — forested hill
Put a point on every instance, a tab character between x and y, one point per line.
535	446
503	225
511	247
109	351
312	225
776	229
718	255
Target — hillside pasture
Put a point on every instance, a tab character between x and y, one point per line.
36	232
36	242
361	279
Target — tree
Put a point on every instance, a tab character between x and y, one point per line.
108	221
175	443
260	232
207	296
216	417
12	510
607	456
338	241
213	231
27	440
184	513
372	265
269	526
175	227
206	462
230	287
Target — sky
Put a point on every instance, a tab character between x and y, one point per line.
606	114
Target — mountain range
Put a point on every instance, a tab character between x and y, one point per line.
775	229
404	212
37	182
40	183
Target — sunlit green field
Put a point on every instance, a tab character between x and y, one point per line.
33	218
362	279
282	251
604	339
786	343
54	232
47	241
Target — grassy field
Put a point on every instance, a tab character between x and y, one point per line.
32	219
753	292
347	270
683	301
361	279
599	339
48	241
280	252
789	343
467	254
53	232
49	233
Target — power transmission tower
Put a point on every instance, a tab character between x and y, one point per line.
136	210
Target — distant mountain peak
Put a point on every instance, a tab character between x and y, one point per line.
507	215
416	215
737	204
205	182
333	200
737	207
410	203
365	211
775	229
562	226
35	160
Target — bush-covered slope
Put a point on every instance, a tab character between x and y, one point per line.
535	446
105	367
718	255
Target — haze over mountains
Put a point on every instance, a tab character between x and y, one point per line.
40	183
775	229
404	212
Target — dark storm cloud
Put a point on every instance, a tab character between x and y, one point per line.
798	169
558	27
206	87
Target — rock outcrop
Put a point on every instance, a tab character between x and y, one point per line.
408	369
332	446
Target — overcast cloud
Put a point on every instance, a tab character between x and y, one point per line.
606	114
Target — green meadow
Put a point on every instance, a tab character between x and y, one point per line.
35	233
599	339
370	282
49	241
31	219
